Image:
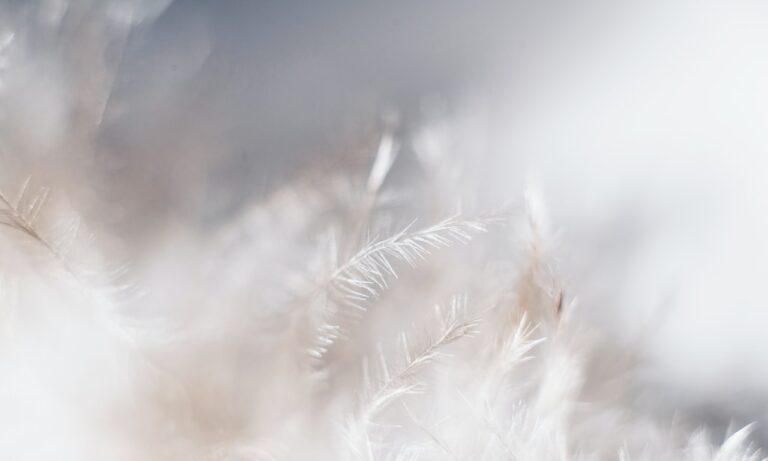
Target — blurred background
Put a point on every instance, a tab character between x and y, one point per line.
642	126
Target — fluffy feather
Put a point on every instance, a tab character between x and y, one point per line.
255	337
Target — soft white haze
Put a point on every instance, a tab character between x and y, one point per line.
229	162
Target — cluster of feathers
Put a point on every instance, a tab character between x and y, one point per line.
348	315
